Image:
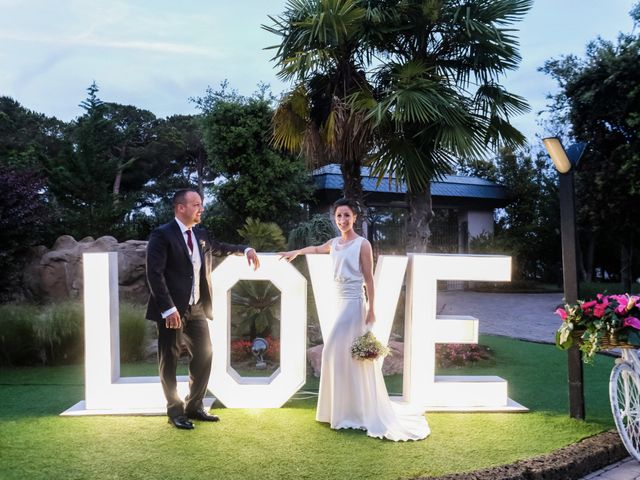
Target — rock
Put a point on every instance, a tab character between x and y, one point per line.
314	333
314	357
64	242
56	275
393	364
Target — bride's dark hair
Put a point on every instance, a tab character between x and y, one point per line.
347	202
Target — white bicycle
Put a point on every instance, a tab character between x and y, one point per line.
624	394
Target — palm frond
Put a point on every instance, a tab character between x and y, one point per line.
290	121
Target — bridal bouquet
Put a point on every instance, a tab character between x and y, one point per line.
608	321
368	347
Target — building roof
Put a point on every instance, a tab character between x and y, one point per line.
329	177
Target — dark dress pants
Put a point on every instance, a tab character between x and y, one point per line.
194	333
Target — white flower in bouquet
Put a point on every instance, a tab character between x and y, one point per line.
368	347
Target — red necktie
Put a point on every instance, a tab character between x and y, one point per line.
189	242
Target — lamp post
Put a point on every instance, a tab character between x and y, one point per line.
566	162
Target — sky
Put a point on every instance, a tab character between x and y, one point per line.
157	54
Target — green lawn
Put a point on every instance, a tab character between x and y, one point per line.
35	443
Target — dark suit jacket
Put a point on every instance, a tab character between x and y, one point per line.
170	272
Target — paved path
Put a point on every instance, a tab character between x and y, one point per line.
528	317
627	469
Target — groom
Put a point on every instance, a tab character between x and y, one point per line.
179	261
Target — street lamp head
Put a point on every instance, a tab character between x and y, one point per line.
563	160
557	153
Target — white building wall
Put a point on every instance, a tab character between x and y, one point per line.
479	222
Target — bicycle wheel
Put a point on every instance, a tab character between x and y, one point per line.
624	394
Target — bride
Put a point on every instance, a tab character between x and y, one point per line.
352	392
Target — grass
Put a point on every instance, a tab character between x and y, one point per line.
35	443
589	290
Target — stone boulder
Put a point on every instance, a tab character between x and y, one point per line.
56	275
393	364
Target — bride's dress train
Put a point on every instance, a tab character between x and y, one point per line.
352	392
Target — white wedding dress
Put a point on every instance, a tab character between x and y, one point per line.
352	392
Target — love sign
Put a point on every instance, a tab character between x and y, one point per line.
107	392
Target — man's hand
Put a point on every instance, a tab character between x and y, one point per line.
289	256
252	258
173	321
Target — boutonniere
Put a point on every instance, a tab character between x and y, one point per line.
201	243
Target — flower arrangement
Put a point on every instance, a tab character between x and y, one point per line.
368	347
609	319
461	354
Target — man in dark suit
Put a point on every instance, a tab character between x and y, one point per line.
179	261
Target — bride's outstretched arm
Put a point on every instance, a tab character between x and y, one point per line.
288	256
366	264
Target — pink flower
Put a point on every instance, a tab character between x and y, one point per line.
622	300
632	322
599	310
588	305
562	312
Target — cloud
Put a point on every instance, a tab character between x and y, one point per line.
96	42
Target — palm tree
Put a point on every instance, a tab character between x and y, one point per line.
407	86
436	97
321	51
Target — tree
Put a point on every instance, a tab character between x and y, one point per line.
92	178
599	99
257	180
25	217
529	226
26	137
131	130
191	154
407	86
436	97
81	178
321	51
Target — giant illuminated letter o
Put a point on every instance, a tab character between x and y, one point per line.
225	383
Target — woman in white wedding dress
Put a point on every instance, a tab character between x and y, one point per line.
352	392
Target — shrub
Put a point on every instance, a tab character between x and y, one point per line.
59	329
461	354
53	334
314	232
133	333
240	350
18	342
263	236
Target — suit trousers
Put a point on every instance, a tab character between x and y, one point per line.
194	334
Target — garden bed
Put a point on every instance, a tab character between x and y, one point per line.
568	463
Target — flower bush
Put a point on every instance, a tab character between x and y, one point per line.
614	318
241	350
461	354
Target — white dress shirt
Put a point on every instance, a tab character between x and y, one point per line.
196	261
